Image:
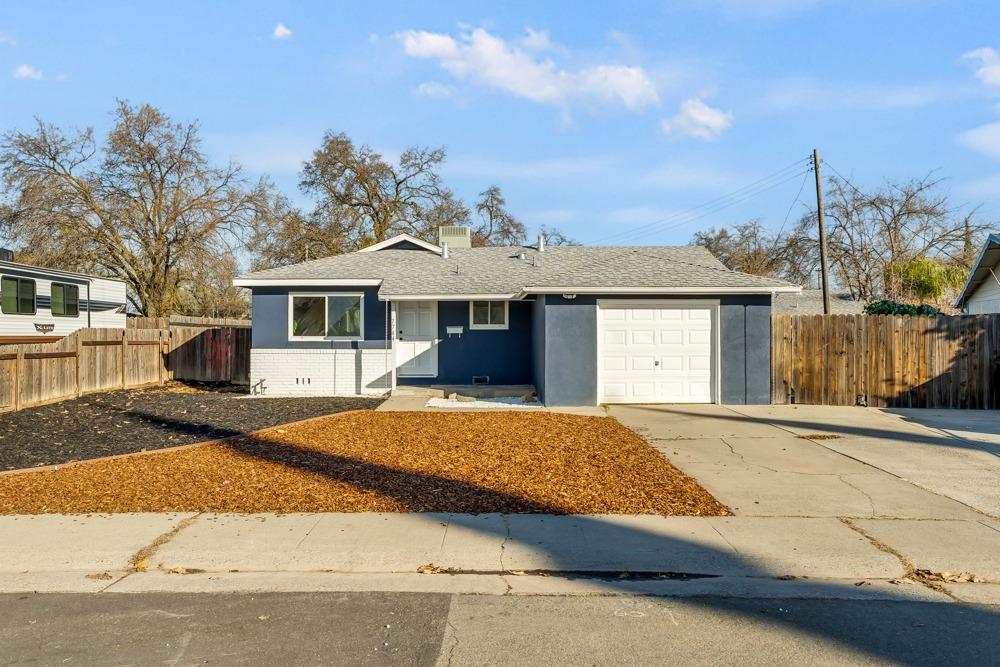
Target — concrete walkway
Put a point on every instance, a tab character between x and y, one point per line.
495	554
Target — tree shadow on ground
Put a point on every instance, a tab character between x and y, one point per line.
587	543
846	429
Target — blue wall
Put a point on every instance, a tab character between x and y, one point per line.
505	355
570	342
270	319
538	346
746	349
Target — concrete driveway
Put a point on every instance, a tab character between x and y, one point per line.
784	460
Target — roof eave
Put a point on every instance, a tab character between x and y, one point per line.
971	285
307	282
778	289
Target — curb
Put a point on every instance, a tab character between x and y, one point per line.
177	448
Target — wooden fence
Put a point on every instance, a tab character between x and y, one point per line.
183	320
91	360
886	361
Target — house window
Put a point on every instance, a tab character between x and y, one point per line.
65	300
326	316
17	296
487	315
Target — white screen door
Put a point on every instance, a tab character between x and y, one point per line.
416	338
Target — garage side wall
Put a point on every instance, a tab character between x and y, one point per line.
569	339
745	333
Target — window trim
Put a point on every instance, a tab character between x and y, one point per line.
326	314
34	296
64	286
486	327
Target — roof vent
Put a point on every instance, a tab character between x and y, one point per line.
541	243
455	237
444	251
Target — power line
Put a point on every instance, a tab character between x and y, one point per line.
779	177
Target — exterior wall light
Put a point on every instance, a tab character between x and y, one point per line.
569	297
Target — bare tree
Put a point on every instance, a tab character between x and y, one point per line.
553	236
207	288
382	199
872	234
285	235
497	227
137	208
750	248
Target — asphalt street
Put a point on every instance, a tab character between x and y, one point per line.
436	629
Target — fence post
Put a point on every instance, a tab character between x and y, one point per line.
159	357
79	353
16	377
124	351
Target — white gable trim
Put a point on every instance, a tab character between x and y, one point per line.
402	238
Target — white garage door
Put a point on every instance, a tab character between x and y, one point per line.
654	353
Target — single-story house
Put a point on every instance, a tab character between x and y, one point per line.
981	293
810	302
583	324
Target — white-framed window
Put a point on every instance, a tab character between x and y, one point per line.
333	316
488	314
65	300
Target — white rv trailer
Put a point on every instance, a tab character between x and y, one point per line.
38	304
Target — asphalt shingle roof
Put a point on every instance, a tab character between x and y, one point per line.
810	302
501	270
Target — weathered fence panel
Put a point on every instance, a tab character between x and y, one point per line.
886	361
90	360
184	320
202	354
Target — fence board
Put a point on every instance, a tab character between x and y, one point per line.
887	361
91	360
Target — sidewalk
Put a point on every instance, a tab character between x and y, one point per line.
500	554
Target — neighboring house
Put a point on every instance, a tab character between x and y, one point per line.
981	293
39	305
583	324
810	302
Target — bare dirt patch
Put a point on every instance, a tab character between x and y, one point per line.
133	420
385	462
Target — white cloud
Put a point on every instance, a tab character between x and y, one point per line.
989	65
7	40
537	40
281	31
983	139
483	59
697	119
814	95
27	72
983	188
435	89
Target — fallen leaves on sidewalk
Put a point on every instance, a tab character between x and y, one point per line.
384	462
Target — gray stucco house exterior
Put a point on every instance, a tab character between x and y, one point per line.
584	325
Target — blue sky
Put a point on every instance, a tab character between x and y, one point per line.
598	118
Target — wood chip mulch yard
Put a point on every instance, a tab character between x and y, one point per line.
133	420
384	462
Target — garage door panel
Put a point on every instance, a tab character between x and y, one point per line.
643	337
655	353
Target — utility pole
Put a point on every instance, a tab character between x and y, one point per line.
822	234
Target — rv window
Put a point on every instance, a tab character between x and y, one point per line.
17	296
65	300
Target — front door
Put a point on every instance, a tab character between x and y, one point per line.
416	338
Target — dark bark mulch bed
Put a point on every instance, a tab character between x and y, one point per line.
133	420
